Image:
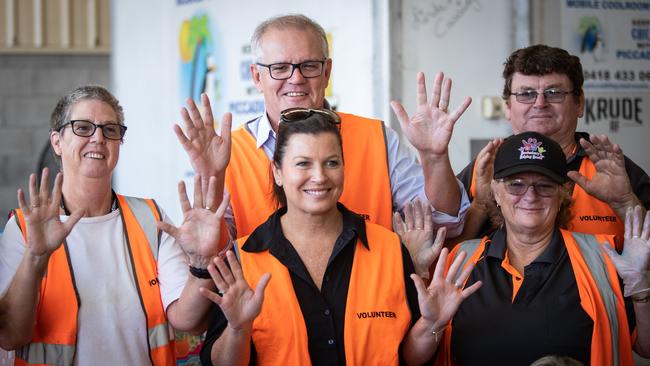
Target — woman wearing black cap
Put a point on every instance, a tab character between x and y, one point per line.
545	291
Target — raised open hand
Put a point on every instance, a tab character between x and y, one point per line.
209	153
240	305
484	171
416	232
610	183
633	265
198	235
441	299
429	129
45	231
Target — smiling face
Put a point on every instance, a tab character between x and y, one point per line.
311	173
529	212
87	157
555	120
293	46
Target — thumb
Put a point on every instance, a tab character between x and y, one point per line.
226	126
580	179
399	111
611	253
168	228
398	224
73	219
258	296
419	284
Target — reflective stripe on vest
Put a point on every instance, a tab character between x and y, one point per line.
54	337
377	316
146	212
600	296
249	182
591	215
46	354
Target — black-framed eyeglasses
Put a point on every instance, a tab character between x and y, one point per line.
83	128
300	114
552	95
519	187
284	70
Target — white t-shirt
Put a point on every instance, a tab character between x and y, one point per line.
112	326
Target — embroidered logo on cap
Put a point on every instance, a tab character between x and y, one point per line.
531	150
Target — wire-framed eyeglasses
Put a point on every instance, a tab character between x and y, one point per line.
519	187
552	95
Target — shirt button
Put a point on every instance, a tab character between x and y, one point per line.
327	312
330	342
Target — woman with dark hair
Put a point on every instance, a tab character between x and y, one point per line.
545	291
331	288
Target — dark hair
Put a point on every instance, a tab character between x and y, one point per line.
315	124
561	220
541	60
61	113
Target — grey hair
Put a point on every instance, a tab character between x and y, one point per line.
296	21
61	113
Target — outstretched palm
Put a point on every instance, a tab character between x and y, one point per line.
239	303
45	231
633	265
209	153
441	299
429	130
610	183
199	233
416	232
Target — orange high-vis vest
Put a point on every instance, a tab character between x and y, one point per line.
600	297
366	189
377	316
54	336
589	214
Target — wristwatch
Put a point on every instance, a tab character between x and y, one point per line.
200	273
641	297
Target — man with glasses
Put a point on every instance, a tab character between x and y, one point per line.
292	69
543	93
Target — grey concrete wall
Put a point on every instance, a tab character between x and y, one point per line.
30	86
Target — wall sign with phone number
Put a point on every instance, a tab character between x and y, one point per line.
617	75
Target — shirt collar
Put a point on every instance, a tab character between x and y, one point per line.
269	234
497	247
580	151
262	130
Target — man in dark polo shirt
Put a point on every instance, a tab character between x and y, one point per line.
543	93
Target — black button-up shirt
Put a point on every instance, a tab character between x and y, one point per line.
323	310
500	325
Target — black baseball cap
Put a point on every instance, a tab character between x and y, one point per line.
530	152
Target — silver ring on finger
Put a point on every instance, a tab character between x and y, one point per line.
458	285
35	205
